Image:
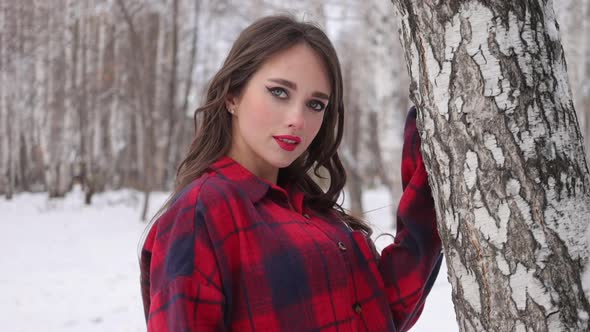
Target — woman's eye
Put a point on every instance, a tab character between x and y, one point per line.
278	92
316	105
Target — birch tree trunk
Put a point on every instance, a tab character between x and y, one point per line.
505	158
181	127
586	82
172	109
351	159
4	147
351	145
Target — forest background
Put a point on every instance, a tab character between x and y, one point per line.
101	93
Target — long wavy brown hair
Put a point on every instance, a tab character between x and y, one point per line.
213	124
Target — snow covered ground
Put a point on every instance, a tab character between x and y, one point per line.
69	267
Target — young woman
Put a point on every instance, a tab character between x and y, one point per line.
248	241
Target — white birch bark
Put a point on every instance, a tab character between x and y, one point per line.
164	101
43	122
192	14
505	158
119	123
63	154
99	148
42	73
4	149
22	76
585	89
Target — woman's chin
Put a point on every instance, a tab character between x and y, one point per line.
283	162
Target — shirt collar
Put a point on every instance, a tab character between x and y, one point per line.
255	187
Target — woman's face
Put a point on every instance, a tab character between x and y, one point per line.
280	111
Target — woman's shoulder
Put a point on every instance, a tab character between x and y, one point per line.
199	200
207	189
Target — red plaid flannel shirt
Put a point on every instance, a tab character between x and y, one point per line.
234	252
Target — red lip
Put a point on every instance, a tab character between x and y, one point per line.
285	145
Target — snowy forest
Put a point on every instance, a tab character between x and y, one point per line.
102	92
96	112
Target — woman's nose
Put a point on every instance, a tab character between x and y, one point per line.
296	117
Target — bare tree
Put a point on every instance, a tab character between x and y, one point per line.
505	158
143	71
181	126
352	137
4	144
374	111
585	82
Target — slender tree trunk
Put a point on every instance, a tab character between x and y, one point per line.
585	104
173	117
179	133
20	101
385	176
355	180
119	115
352	142
82	105
504	153
144	93
91	111
10	172
4	146
152	72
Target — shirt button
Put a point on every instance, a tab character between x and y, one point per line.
341	246
306	216
357	308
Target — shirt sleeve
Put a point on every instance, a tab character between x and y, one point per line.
185	286
410	265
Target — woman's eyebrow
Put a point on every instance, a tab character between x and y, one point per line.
293	86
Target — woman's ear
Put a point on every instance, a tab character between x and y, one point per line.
231	103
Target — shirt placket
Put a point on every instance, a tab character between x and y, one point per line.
343	242
339	235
